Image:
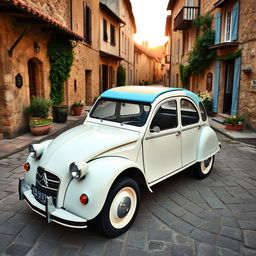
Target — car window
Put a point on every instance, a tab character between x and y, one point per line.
189	114
166	116
129	109
122	112
203	111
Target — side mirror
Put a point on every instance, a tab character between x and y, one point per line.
155	129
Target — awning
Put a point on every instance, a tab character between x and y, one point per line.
224	45
19	7
111	56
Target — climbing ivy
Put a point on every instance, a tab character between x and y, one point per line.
201	56
61	56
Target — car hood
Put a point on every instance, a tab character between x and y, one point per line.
84	143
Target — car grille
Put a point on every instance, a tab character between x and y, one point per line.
47	182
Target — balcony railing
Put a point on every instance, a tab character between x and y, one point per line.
185	17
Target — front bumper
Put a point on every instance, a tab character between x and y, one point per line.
49	211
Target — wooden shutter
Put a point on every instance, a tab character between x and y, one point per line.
217	27
234	24
89	26
236	86
84	9
216	86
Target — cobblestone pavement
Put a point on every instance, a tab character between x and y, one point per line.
184	216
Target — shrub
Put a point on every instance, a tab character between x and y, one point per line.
39	107
121	76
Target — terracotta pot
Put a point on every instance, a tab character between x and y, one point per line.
77	110
234	127
39	130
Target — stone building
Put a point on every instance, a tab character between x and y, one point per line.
26	28
231	77
110	25
148	67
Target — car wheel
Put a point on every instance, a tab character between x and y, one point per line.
203	169
121	207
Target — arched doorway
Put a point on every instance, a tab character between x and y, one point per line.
35	75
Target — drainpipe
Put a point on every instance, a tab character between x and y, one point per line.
120	41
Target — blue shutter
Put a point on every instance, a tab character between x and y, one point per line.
236	86
234	22
217	27
216	86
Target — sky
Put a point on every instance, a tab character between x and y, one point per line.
150	17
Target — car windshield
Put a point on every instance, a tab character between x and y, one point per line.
123	112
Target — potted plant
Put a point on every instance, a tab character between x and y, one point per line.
234	123
206	98
38	111
77	107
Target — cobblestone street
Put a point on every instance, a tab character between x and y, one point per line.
184	216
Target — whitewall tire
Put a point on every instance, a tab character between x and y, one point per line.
203	169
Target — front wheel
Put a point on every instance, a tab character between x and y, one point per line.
203	169
121	207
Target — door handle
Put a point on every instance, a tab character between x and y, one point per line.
178	133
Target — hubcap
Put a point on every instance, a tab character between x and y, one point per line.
206	165
124	207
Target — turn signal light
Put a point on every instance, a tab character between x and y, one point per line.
26	167
84	199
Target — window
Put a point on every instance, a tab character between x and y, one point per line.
209	82
189	114
112	35
228	26
203	111
166	116
87	24
105	30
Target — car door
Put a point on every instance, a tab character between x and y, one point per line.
190	129
162	142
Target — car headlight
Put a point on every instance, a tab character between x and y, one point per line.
78	170
35	150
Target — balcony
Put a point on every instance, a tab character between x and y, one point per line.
185	17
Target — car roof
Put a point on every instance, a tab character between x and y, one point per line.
145	93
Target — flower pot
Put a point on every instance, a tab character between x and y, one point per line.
39	130
77	110
234	127
60	113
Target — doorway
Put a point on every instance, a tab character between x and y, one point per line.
88	87
228	92
35	75
104	78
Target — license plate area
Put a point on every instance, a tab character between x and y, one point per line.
39	195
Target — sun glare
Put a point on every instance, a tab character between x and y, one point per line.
150	17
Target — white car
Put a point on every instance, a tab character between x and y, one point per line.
133	135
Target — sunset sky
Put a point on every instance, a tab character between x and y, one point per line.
150	17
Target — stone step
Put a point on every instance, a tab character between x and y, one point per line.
218	119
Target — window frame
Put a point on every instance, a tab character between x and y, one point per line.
87	19
197	111
105	30
112	35
226	25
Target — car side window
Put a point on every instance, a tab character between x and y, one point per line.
203	111
189	114
166	116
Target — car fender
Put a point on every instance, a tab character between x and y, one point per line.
101	174
208	143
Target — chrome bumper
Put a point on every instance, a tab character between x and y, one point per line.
49	211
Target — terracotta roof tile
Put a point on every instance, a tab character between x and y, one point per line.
28	9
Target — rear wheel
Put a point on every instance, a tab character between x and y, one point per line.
120	209
203	169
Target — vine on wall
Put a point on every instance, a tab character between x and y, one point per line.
61	57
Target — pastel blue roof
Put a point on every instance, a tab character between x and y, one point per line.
143	94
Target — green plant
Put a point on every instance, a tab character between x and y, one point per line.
230	56
121	76
61	56
39	107
78	104
184	71
237	119
38	122
203	22
206	98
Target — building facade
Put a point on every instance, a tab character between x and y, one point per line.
148	68
231	77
